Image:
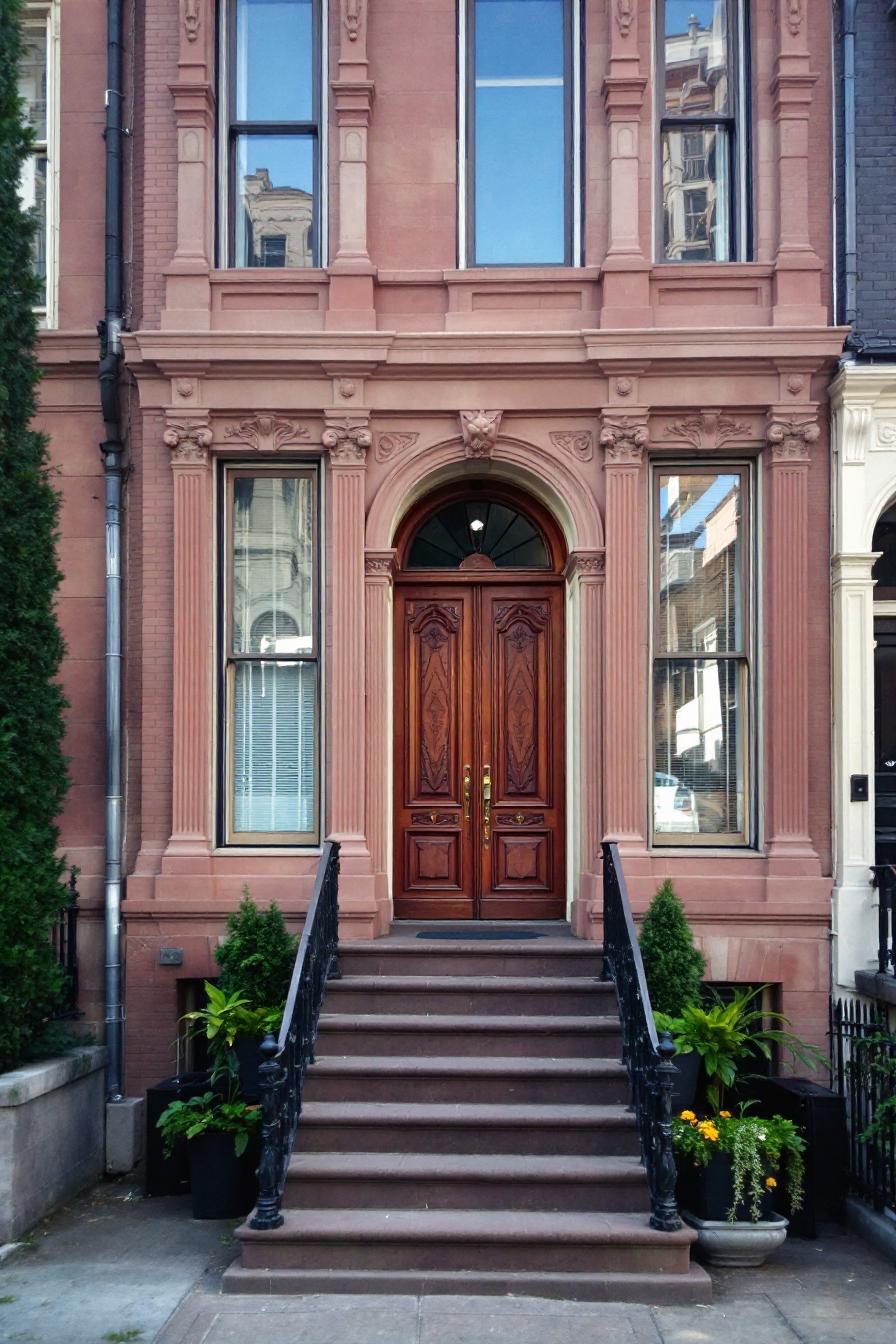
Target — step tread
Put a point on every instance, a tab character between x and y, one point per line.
467	1022
695	1286
495	1066
465	1166
497	984
479	1115
467	1225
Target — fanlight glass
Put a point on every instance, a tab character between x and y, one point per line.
478	534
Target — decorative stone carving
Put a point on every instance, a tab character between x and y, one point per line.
184	387
393	442
707	431
591	564
191	19
625	13
189	442
353	17
624	387
790	439
480	432
794	16
346	441
577	442
623	440
266	433
346	388
795	384
380	563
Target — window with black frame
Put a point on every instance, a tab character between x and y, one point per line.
702	99
271	658
701	657
271	67
521	157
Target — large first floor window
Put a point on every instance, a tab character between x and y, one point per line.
518	134
271	71
701	640
271	665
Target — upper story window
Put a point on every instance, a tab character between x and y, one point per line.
702	656
38	83
519	140
271	152
702	92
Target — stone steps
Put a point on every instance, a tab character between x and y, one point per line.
505	995
466	1034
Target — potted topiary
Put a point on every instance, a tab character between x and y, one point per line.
256	960
730	1168
219	1132
673	967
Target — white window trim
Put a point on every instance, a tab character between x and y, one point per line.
222	230
463	262
47	12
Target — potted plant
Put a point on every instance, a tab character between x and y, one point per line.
730	1169
230	1023
220	1133
673	967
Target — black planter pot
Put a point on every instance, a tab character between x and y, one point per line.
223	1185
684	1091
169	1175
248	1051
708	1192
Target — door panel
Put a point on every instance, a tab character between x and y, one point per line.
522	740
479	696
434	737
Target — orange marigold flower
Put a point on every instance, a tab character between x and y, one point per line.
724	1115
708	1130
688	1115
771	1183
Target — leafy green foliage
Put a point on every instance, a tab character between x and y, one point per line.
256	957
227	1016
728	1035
208	1114
760	1149
873	1066
33	775
672	964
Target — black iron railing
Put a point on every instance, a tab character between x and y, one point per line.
884	879
64	935
647	1057
286	1060
863	1070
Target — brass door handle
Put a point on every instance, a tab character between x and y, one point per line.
468	790
486	805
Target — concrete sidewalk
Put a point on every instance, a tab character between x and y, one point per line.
113	1268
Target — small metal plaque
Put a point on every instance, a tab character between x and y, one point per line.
171	956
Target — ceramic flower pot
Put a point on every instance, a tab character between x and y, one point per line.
740	1245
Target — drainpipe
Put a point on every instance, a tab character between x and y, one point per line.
112	450
849	159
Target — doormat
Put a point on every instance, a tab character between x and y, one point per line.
482	935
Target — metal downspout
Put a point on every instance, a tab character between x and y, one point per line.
850	261
112	450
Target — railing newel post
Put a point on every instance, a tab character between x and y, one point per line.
267	1211
665	1209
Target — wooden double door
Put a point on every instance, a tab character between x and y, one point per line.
479	770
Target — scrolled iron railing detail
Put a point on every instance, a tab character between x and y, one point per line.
286	1059
647	1057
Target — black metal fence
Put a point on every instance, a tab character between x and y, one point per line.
884	880
64	936
863	1070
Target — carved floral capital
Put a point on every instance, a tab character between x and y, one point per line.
480	432
789	439
266	433
380	564
623	440
347	442
586	565
189	442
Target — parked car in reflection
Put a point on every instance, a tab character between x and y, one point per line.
674	805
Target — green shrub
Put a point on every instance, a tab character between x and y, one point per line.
672	964
33	775
257	956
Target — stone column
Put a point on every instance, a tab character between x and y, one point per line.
624	439
797	291
586	570
626	270
789	441
187	290
351	273
347	440
379	567
192	732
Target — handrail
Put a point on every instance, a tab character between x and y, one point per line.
647	1058
286	1060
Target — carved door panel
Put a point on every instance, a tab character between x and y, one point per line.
522	739
434	869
